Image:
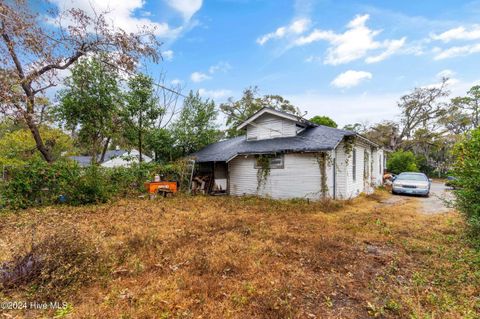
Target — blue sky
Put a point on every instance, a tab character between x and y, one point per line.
350	60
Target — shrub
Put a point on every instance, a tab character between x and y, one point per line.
58	262
91	187
467	170
37	183
402	161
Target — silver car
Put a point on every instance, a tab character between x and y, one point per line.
411	183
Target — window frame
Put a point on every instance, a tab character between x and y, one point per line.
272	166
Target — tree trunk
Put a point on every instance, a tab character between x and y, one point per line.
46	153
105	148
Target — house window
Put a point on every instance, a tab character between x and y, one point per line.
274	162
354	164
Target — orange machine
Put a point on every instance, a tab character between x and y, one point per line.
162	187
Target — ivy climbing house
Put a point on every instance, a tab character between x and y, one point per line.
285	156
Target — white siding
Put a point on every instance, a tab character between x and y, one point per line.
270	126
300	178
347	187
378	163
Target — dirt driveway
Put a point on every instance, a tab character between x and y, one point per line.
437	203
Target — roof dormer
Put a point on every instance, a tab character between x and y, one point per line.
269	123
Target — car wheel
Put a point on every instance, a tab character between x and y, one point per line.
394	192
427	195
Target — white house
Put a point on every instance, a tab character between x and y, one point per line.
285	156
114	158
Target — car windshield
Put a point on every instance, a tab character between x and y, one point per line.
411	177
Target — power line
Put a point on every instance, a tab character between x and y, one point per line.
110	64
163	86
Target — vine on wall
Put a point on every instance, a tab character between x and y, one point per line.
322	159
348	144
263	171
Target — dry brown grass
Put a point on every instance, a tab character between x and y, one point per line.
223	257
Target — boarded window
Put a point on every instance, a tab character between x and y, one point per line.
274	162
354	164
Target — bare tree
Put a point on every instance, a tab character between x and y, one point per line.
421	109
168	96
32	54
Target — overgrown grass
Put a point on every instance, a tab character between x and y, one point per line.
226	257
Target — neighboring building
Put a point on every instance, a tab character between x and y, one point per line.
286	156
114	158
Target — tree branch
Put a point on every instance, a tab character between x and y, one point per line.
12	52
57	66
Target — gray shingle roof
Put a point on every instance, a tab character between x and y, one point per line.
313	139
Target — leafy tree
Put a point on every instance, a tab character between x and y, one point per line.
356	127
32	55
467	171
161	142
323	120
250	102
141	110
402	161
421	109
8	125
464	112
456	120
384	134
90	103
18	147
196	124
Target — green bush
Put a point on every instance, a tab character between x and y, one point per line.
402	161
39	183
467	170
91	187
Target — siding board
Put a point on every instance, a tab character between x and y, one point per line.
270	126
300	178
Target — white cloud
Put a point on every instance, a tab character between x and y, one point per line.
296	27
313	58
460	33
351	78
349	108
176	82
167	55
219	67
215	94
187	8
121	14
199	77
355	43
447	73
456	51
392	47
